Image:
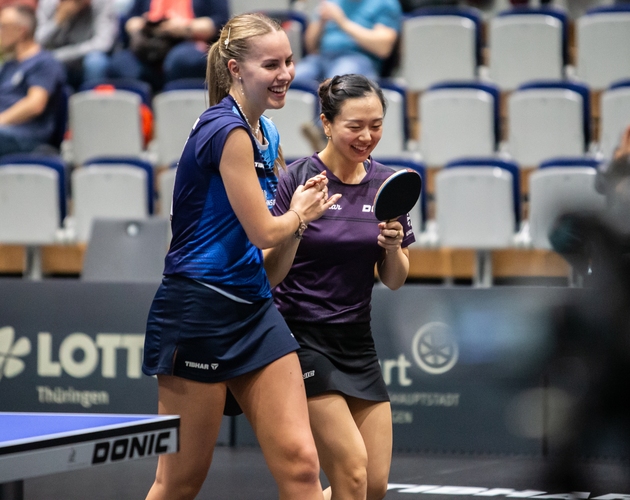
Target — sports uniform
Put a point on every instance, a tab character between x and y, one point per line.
213	317
326	296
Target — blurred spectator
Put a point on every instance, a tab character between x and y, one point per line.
168	39
349	36
525	3
29	3
80	33
31	83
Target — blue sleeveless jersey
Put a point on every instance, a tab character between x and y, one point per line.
209	244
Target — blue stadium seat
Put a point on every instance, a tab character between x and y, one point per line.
528	44
458	119
548	119
603	45
507	165
53	162
134	162
143	89
440	43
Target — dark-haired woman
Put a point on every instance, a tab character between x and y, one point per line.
213	328
326	294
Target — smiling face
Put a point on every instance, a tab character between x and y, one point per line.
357	129
263	78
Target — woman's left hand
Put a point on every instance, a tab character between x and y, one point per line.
391	235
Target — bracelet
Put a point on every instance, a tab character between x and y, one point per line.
301	227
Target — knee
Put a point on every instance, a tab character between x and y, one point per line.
355	474
376	490
302	463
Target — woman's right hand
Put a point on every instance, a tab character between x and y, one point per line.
311	200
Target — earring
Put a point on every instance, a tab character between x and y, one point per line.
240	78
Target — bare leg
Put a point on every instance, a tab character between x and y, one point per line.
274	402
180	475
340	445
374	420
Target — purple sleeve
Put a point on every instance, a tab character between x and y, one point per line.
284	194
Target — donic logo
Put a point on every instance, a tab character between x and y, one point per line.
10	353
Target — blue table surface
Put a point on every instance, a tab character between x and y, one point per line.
14	426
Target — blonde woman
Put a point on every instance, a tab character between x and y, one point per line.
213	329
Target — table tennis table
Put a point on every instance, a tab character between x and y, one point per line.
36	444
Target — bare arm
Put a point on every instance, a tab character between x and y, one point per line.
27	108
379	40
393	268
246	198
312	36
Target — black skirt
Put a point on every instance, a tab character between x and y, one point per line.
339	358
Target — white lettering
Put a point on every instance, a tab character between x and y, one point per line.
367	208
78	368
201	366
425	398
456	490
401	364
79	354
59	395
46	367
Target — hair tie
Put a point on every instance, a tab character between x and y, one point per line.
227	39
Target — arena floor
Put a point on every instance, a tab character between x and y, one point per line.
241	474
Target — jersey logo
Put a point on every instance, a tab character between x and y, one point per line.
367	208
258	164
336	206
308	374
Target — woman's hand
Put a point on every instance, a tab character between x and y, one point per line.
391	236
311	200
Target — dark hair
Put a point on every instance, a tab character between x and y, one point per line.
334	91
233	43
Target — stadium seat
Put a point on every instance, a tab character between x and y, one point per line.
547	120
458	119
294	24
301	106
418	213
441	43
615	116
557	187
603	45
32	205
395	132
185	84
110	188
242	6
527	44
105	124
127	250
175	113
478	207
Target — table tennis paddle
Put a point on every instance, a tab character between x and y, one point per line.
397	195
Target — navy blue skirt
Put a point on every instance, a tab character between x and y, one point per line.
199	334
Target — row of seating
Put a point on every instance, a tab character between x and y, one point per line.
523	44
544	119
485	194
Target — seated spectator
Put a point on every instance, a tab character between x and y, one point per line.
168	39
31	82
80	34
349	36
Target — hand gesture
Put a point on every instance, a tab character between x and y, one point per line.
391	235
329	11
311	199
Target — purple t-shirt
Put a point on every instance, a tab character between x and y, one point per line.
333	272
